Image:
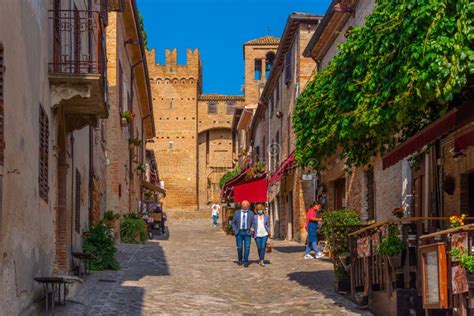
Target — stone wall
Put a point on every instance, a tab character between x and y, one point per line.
26	230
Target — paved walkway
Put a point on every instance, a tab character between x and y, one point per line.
193	272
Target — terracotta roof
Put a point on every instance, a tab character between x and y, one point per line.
266	40
221	97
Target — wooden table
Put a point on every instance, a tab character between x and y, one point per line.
53	283
84	259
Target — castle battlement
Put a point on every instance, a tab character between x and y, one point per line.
171	57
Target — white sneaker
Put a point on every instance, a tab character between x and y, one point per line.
308	256
319	255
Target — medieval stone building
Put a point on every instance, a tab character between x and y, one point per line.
194	144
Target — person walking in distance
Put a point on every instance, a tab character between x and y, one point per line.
241	224
215	208
312	229
261	230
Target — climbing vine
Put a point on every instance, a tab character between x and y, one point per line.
395	74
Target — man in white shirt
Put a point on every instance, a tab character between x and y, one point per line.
215	208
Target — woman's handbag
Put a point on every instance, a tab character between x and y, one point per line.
269	247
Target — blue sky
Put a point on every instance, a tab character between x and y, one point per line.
218	28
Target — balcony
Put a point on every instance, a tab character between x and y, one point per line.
77	66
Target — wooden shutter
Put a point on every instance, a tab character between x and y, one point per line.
78	202
120	87
43	154
2	135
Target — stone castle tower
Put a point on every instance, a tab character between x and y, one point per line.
175	90
194	144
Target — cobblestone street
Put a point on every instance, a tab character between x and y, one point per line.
194	271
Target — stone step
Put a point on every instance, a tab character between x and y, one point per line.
187	214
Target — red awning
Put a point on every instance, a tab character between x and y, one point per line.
435	130
464	140
253	191
281	170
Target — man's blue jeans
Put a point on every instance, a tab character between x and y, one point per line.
261	246
243	239
214	219
314	244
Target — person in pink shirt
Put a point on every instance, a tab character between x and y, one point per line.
312	229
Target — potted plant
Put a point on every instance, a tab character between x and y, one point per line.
456	220
126	117
337	225
149	194
260	167
133	229
392	246
398	212
141	168
135	141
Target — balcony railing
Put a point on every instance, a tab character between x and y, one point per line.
78	42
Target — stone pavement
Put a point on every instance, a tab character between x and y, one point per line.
193	272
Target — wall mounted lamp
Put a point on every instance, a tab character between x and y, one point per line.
344	8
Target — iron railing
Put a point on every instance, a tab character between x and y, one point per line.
78	42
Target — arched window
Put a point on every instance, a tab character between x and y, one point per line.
269	58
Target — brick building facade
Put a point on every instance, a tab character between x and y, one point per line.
272	134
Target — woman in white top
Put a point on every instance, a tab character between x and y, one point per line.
261	230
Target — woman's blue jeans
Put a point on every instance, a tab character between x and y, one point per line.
313	244
261	246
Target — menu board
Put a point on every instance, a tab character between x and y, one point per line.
434	276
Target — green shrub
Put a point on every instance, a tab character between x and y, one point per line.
391	246
229	175
465	260
101	244
336	226
133	229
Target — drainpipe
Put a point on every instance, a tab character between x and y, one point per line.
91	174
71	137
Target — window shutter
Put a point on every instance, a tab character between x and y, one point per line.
2	136
287	67
120	87
43	154
77	223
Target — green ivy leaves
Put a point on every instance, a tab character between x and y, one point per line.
390	78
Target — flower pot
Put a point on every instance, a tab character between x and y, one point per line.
123	122
361	298
395	261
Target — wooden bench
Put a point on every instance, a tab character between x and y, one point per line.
53	284
84	259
